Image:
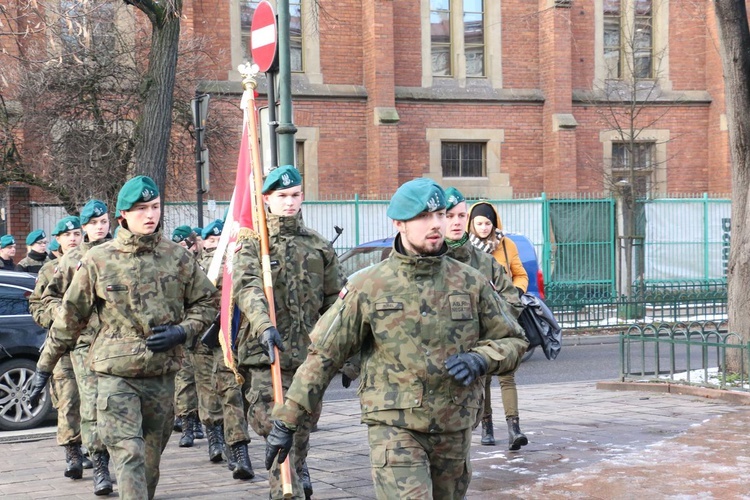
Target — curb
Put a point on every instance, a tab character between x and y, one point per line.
574	340
733	397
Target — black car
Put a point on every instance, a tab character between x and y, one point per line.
20	341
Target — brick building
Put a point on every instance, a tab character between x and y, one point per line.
496	97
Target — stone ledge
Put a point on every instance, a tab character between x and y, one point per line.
734	397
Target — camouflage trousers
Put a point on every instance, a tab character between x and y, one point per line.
419	466
219	394
185	396
508	392
65	398
87	390
135	423
259	394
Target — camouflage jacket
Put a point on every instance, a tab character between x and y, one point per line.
207	255
43	315
307	278
31	265
60	281
133	283
406	316
494	271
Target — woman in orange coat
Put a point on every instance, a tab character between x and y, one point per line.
486	234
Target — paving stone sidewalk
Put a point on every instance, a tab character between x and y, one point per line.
584	443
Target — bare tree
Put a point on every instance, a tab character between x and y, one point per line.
734	37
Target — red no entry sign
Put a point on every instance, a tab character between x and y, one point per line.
263	36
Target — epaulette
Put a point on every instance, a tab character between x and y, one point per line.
245	233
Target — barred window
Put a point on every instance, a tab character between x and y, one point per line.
463	159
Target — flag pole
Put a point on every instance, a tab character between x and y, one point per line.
249	84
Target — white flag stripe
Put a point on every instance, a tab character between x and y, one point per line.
263	36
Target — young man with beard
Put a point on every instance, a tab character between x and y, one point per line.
428	328
151	298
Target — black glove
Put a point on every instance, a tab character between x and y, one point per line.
278	442
520	292
165	337
268	339
210	338
466	367
40	381
345	381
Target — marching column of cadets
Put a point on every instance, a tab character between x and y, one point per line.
432	276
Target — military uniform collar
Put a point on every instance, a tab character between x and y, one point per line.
414	264
136	243
461	253
87	245
37	256
284	224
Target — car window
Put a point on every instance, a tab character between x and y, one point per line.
360	258
13	301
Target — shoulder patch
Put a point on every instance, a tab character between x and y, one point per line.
78	266
55	271
343	293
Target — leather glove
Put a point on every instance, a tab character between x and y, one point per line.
40	381
165	337
268	339
466	367
210	338
345	381
278	442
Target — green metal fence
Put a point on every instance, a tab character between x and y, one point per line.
692	353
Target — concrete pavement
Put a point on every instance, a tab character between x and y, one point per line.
584	443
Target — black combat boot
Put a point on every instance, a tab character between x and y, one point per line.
488	432
177	426
186	441
243	469
516	438
215	442
87	463
198	428
102	481
304	477
74	460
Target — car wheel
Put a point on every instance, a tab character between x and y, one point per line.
16	379
528	354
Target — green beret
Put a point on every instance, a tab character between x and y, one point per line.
92	210
213	229
282	178
198	231
414	197
35	236
66	224
453	197
181	233
136	190
53	246
7	241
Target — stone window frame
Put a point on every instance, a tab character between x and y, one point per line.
310	42
310	139
496	184
659	137
659	43
493	71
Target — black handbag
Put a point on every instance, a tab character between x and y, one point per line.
540	326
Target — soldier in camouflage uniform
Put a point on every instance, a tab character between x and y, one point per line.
63	388
306	280
460	248
95	223
36	242
7	251
428	329
185	395
221	407
151	298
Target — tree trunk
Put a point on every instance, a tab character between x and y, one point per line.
155	125
734	37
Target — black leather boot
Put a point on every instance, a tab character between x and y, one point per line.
243	469
215	442
87	463
304	477
198	428
102	480
177	426
516	438
74	461
187	439
488	432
